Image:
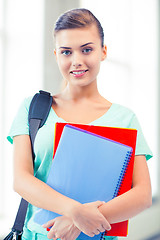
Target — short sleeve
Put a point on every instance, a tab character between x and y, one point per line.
20	123
142	147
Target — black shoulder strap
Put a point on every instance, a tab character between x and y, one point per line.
38	113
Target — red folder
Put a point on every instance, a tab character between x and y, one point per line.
123	135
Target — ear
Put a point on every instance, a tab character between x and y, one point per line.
55	53
104	53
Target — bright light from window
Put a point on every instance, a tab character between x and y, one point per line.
22	62
129	76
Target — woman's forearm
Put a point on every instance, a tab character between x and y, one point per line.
135	200
126	205
41	195
32	189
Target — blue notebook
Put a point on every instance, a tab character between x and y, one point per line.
86	167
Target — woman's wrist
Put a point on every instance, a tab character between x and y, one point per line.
73	209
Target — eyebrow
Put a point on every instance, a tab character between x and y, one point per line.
86	44
80	46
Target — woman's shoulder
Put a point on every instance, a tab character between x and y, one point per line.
25	103
122	110
118	108
123	115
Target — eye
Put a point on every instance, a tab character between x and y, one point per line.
66	52
87	50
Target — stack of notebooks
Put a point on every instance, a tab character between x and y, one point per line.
91	163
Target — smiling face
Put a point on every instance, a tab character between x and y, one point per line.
79	53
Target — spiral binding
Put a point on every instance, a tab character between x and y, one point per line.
102	236
120	179
123	172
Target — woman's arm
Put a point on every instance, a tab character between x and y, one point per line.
41	195
29	187
135	200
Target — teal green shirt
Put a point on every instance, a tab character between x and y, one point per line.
116	116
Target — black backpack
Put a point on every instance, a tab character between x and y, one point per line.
38	113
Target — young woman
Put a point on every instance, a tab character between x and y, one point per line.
79	51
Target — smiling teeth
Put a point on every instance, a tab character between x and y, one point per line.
76	73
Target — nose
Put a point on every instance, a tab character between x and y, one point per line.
77	60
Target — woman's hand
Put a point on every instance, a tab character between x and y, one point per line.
88	219
62	228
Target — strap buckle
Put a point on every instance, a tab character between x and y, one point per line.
45	93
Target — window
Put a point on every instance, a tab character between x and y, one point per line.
129	76
21	61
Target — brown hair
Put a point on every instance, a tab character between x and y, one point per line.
78	18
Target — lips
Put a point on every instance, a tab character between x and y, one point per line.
78	73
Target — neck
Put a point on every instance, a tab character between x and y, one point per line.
77	93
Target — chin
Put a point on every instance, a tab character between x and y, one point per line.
81	82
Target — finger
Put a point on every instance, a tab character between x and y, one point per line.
96	232
49	223
101	229
98	203
72	234
54	234
51	234
90	234
106	225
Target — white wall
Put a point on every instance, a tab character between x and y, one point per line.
21	75
130	76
